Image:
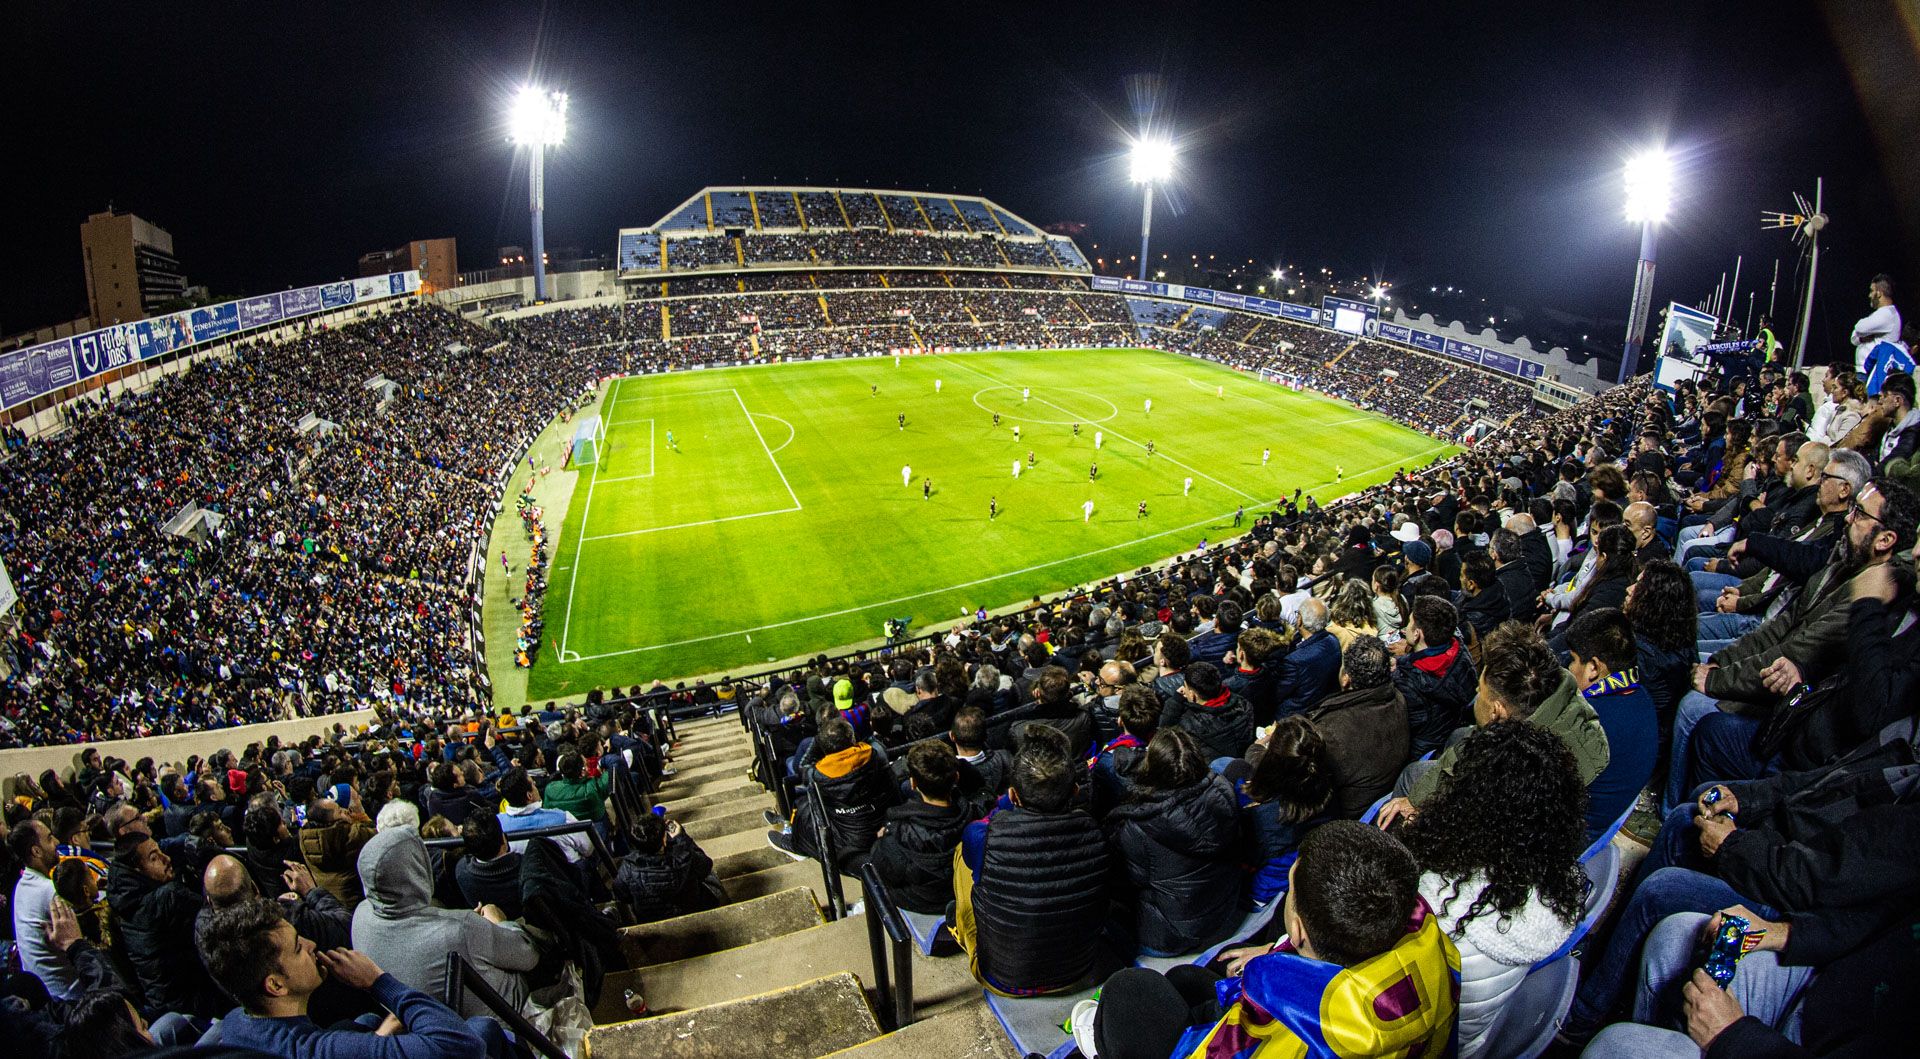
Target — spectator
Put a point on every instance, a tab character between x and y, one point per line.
1174	849
856	789
32	847
489	874
331	842
914	853
1436	676
1498	847
1029	883
525	812
154	916
1220	721
398	924
1603	664
983	772
1364	726
1312	669
1482	599
273	972
667	874
1354	900
574	793
1289	789
1117	762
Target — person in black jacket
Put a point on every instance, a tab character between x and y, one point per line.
1174	850
1119	760
983	772
154	915
1219	720
914	854
667	874
1436	676
857	789
1029	883
490	872
1483	600
1510	569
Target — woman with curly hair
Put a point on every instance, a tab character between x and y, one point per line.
1664	611
1498	849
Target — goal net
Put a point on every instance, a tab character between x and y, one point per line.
589	441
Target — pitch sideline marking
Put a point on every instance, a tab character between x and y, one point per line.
790	431
1130	441
968	584
593	476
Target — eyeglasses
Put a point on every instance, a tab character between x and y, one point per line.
1855	511
1824	475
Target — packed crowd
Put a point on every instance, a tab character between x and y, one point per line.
303	900
1378	750
861	246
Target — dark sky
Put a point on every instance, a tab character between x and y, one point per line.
1474	144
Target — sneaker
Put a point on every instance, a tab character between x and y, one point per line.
783	842
775	820
1080	1024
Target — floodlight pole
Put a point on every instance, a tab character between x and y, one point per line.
537	196
1813	271
1642	302
1146	226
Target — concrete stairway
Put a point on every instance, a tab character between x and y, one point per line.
768	974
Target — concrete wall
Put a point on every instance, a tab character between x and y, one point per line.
63	759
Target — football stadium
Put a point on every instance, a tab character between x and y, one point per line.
893	617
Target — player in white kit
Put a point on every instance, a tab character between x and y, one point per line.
936	385
1087	511
906	475
1098	437
1149	406
1265	455
1188	490
1016	467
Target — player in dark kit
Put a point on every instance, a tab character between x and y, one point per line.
1093	472
901	419
993	508
996	419
926	489
1142	513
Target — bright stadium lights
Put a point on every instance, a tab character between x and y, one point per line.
1649	185
1150	163
537	120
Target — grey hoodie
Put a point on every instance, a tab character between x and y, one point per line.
398	927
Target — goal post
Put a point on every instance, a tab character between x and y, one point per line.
589	441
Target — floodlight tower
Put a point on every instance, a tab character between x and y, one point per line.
1649	180
1152	163
537	121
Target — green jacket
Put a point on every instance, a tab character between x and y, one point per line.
586	799
1565	713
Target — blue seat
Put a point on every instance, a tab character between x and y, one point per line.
1606	837
1033	1023
1249	925
926	929
1603	877
1533	1013
1373	811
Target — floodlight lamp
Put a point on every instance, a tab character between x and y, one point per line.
1649	180
538	118
1378	290
1152	161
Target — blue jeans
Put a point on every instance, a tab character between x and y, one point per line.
1692	539
1723	750
1692	707
1697	559
1706	588
1763	988
1661	893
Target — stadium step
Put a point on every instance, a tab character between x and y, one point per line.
757	858
968	1031
785	877
939	984
1342	355
753	203
748	819
812	1018
725	804
719	929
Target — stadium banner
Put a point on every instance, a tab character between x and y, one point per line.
35	371
1685	331
1428	341
1462	350
1400	333
8	595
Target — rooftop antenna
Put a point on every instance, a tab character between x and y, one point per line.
1806	225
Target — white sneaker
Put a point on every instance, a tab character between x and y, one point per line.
1082	1021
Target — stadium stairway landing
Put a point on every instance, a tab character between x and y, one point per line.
767	973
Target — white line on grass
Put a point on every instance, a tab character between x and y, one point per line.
790	431
689	525
652	464
687	393
566	626
763	444
1157	452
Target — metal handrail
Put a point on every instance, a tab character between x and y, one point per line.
896	994
824	851
461	977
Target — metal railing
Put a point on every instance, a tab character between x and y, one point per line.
890	943
824	852
462	977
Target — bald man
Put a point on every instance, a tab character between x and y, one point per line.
314	912
1311	670
1536	552
1644	520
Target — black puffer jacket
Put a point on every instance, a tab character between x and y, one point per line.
1223	726
155	922
1439	685
858	790
1039	899
672	882
915	856
1175	865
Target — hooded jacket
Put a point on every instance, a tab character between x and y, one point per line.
856	789
1175	859
1366	735
154	922
399	929
672	882
1223	725
1564	713
915	856
1438	684
1496	949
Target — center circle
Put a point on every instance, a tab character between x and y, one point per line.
1025	418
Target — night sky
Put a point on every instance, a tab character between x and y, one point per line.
1469	144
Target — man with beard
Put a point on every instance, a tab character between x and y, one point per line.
1797	647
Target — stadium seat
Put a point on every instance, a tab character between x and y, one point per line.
1603	878
927	929
1373	811
1533	1013
1606	837
1033	1023
1252	923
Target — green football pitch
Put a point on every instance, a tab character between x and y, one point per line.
778	523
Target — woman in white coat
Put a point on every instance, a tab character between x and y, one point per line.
1498	849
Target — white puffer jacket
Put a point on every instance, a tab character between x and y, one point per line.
1495	950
